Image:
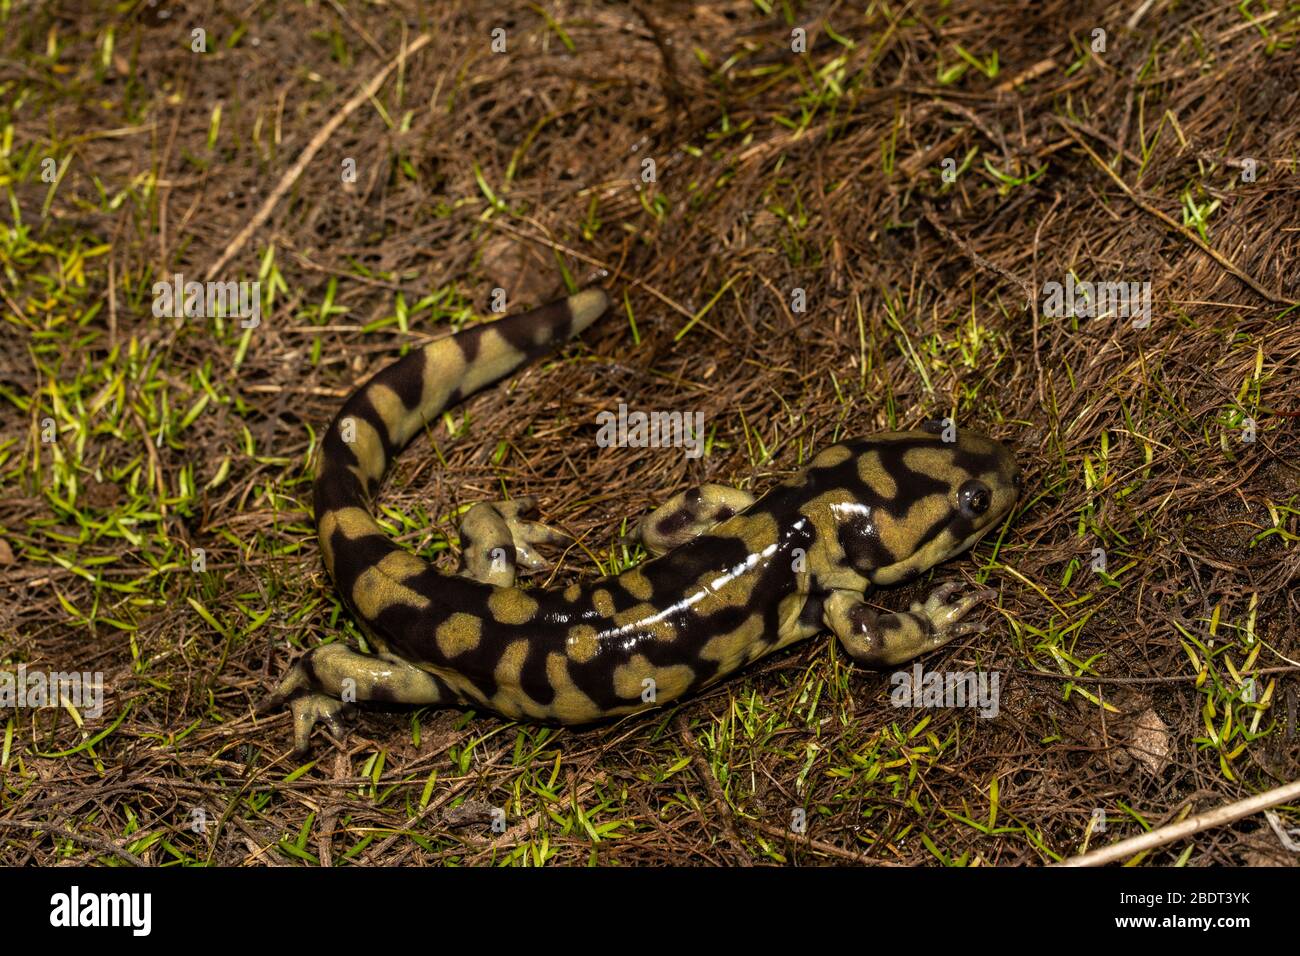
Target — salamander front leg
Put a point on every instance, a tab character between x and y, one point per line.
883	640
496	541
322	686
688	514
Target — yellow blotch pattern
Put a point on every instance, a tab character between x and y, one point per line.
495	358
509	696
375	590
444	363
512	606
873	475
459	633
367	447
603	602
757	531
830	457
636	584
582	643
353	522
935	462
643	618
391	409
569	704
731	650
669	682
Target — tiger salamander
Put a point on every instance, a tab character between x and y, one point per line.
733	579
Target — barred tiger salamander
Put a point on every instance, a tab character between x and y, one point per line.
734	578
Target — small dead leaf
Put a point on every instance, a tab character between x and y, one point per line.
1149	743
101	494
470	813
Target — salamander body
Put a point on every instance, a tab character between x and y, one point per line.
735	578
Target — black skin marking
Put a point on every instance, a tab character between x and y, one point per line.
677	521
672	578
861	544
411	632
811	615
758	579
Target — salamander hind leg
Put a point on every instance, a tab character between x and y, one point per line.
325	682
883	640
496	540
689	514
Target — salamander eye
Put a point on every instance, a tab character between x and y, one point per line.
974	498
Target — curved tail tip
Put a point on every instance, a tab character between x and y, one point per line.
587	306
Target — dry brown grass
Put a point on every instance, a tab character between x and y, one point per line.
775	171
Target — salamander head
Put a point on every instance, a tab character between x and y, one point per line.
923	500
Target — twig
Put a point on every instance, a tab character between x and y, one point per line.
1161	679
715	790
358	28
1171	224
591	261
290	177
1033	279
821	846
1026	76
975	257
102	845
674	92
1136	17
435	804
1185	828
